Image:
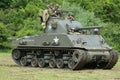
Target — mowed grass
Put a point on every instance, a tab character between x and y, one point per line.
10	71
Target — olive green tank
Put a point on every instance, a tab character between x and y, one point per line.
65	44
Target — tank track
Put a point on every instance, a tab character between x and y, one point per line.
103	64
73	59
113	59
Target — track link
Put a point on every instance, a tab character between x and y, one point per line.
74	59
113	60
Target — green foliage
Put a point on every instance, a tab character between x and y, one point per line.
19	3
20	17
86	18
3	36
30	27
2	16
111	33
20	20
4	3
107	10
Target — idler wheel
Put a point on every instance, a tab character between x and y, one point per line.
52	64
60	63
78	60
41	62
34	62
16	54
23	61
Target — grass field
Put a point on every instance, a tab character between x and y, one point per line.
10	71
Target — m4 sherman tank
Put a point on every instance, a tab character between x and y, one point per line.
65	44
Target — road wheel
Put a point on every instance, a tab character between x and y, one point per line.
52	64
59	63
34	62
71	63
23	61
41	63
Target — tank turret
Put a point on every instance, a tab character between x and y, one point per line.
65	44
57	25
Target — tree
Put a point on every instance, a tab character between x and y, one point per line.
3	36
5	3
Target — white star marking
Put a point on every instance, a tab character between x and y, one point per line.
56	39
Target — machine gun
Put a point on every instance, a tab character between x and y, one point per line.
61	12
66	11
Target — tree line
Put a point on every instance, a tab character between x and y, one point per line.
19	18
